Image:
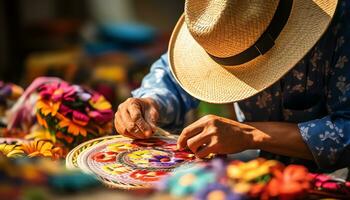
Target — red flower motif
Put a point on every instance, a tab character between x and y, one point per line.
184	155
108	156
171	147
148	176
149	143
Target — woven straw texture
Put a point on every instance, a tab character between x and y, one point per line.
207	26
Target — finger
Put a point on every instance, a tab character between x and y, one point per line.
205	151
119	126
135	112
198	141
151	116
130	126
189	132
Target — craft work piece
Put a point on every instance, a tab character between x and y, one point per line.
129	164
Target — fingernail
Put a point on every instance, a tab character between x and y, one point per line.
179	148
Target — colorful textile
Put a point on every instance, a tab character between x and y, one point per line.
121	162
256	179
68	114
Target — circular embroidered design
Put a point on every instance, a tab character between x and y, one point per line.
120	162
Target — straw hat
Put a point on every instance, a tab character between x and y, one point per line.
228	50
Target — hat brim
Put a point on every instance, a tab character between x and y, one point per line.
209	81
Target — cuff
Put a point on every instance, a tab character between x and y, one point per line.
166	112
324	139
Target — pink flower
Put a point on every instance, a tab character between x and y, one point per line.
69	92
101	116
64	110
80	118
57	91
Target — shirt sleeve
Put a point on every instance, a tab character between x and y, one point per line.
329	138
173	101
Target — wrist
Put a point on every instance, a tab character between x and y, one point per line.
151	102
255	137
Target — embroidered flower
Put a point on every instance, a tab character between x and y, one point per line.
298	75
118	147
148	176
340	42
316	56
164	160
263	100
341	62
115	169
108	156
342	85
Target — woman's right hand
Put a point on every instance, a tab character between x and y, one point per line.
136	118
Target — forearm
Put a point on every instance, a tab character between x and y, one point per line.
280	138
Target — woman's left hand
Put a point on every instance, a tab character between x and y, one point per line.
213	134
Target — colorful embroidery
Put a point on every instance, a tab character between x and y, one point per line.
123	163
147	176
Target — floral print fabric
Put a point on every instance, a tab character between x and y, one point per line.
315	94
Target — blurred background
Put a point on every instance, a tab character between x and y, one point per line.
108	45
105	44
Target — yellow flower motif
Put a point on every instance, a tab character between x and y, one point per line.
100	103
72	127
11	150
48	107
118	147
143	156
38	148
115	169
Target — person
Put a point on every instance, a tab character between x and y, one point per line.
286	64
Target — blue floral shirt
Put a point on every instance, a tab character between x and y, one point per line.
315	94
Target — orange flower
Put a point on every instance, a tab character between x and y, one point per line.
38	148
72	127
48	107
68	139
41	121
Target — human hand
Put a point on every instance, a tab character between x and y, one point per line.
136	118
213	134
